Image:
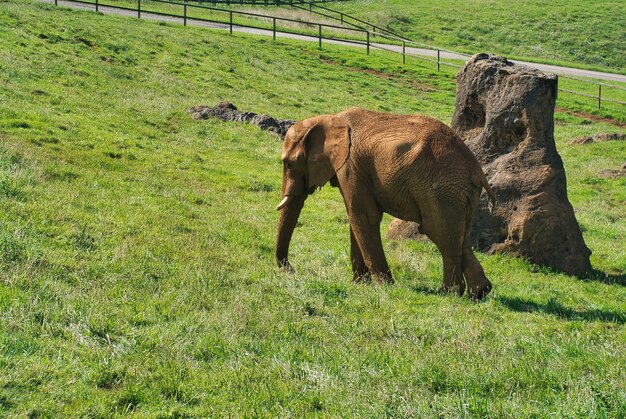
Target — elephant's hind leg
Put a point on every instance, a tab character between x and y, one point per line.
448	240
478	286
453	281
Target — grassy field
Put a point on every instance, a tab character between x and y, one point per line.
575	94
574	33
136	245
287	18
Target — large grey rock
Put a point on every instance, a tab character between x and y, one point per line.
505	113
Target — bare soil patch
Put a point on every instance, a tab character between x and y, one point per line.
592	117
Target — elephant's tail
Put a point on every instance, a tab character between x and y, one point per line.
479	178
492	196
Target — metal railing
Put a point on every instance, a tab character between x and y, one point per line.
598	98
386	34
267	2
362	36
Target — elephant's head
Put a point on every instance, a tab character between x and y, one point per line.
313	151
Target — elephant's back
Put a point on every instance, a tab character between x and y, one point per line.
404	138
375	127
413	156
385	126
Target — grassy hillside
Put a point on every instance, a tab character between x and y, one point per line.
560	31
136	245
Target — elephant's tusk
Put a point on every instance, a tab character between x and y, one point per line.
284	202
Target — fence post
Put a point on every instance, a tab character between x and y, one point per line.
341	18
96	5
438	58
230	15
274	28
403	52
139	9
185	13
368	42
599	95
320	35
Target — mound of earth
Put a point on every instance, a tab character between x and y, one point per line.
226	111
612	136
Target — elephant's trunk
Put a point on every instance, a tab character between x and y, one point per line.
288	218
293	197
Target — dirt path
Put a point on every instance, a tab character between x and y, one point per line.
567	71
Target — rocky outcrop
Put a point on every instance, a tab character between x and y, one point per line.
504	113
400	229
226	111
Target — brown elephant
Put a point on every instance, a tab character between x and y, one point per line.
410	166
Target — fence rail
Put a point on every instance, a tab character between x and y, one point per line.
598	96
267	2
350	20
230	23
362	36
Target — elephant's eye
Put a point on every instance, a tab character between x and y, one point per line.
287	165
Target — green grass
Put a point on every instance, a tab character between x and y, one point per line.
136	245
611	92
574	33
580	100
255	17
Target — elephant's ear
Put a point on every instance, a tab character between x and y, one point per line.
327	147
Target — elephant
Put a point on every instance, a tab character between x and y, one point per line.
412	167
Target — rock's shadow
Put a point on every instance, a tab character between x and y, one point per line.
599	276
557	309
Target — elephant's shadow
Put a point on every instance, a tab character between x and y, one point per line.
552	307
420	289
557	309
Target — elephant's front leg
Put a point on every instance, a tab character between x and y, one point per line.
365	228
359	269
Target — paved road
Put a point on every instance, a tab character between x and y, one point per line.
566	71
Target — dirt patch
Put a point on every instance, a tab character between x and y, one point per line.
422	87
592	117
610	136
613	173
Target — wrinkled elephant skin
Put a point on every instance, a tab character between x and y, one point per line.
410	166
